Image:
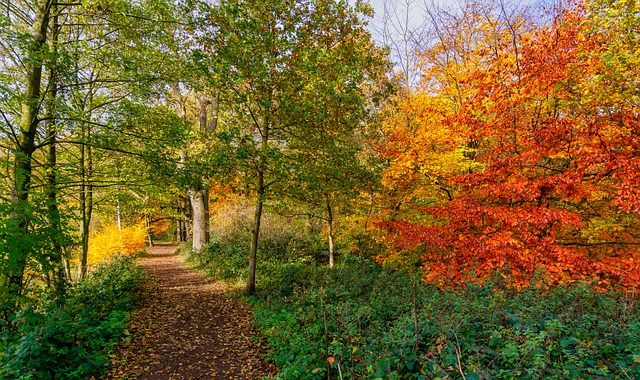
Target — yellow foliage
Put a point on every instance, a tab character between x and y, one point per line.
109	241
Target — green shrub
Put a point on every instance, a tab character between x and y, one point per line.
226	257
357	320
223	262
70	338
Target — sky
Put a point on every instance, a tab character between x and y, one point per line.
413	21
417	13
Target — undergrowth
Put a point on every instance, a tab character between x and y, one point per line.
71	338
360	320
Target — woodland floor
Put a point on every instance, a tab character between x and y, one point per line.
185	327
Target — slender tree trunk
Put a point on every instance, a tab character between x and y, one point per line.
87	212
330	232
118	211
181	222
188	217
86	195
56	257
25	147
207	216
250	287
184	232
147	224
67	268
84	228
181	233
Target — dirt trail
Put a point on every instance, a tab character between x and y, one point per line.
186	328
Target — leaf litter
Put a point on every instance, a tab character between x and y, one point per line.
185	327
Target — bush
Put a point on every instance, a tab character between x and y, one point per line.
362	320
70	338
359	321
226	258
221	261
110	241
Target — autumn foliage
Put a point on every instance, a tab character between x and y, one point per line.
110	241
520	152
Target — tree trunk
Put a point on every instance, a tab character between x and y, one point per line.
330	232
86	193
186	221
147	227
207	216
212	125
24	150
184	230
200	197
56	256
250	287
86	206
181	228
199	206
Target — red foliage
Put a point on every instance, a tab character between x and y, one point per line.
559	188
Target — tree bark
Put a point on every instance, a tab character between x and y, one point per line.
199	200
200	197
207	216
330	232
86	193
56	258
148	227
212	125
250	287
25	148
86	205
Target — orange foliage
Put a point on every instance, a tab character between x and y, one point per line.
109	242
223	195
553	127
159	227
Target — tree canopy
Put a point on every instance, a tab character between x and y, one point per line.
505	142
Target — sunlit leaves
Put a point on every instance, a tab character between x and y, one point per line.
111	241
551	114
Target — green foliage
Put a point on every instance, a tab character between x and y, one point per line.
92	125
30	245
224	262
357	319
282	241
69	339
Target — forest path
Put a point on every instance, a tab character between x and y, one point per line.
186	328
